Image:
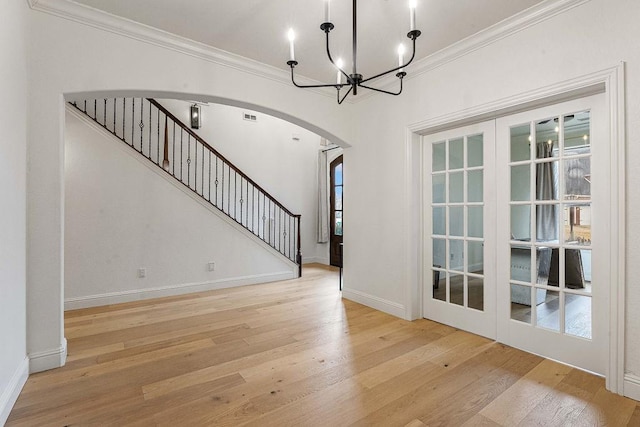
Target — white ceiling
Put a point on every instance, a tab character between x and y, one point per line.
257	29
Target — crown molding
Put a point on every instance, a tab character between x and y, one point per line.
86	15
105	21
505	28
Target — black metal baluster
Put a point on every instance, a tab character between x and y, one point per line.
133	120
104	113
158	135
235	195
240	201
158	148
209	176
229	192
95	109
195	166
247	206
124	109
114	116
264	218
141	125
173	153
270	227
188	160
216	181
202	174
222	187
181	150
289	228
280	235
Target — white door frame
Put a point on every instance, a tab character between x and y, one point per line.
611	82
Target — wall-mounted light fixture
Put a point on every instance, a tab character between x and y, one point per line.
196	120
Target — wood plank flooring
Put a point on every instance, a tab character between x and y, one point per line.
295	354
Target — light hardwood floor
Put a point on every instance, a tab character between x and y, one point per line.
295	354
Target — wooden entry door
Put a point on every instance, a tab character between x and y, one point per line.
335	241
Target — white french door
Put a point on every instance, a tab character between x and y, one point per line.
459	224
516	215
553	225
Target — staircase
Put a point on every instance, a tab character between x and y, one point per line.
150	129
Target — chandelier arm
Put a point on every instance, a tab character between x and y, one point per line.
345	95
413	55
384	91
331	58
337	86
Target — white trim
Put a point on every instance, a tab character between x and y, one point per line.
505	28
108	22
125	148
632	386
12	391
105	21
579	87
177	289
381	304
315	259
48	359
617	304
413	226
611	81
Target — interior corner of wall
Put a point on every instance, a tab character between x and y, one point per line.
9	395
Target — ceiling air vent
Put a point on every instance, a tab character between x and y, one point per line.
250	117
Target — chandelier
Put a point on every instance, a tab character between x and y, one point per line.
356	80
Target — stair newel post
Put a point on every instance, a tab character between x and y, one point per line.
299	254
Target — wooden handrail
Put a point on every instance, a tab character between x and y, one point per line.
220	156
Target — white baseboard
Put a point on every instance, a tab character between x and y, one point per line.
48	359
315	259
390	307
170	290
632	386
10	394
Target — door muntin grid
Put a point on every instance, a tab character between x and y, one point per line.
550	223
457	205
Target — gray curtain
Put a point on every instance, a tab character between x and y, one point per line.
546	189
323	199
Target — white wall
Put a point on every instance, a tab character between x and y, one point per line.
588	38
122	213
70	57
13	143
266	151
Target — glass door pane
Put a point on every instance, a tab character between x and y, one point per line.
457	188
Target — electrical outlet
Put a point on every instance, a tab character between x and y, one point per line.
142	273
211	266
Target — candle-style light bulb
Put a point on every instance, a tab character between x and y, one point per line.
412	13
292	36
327	14
400	56
339	64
